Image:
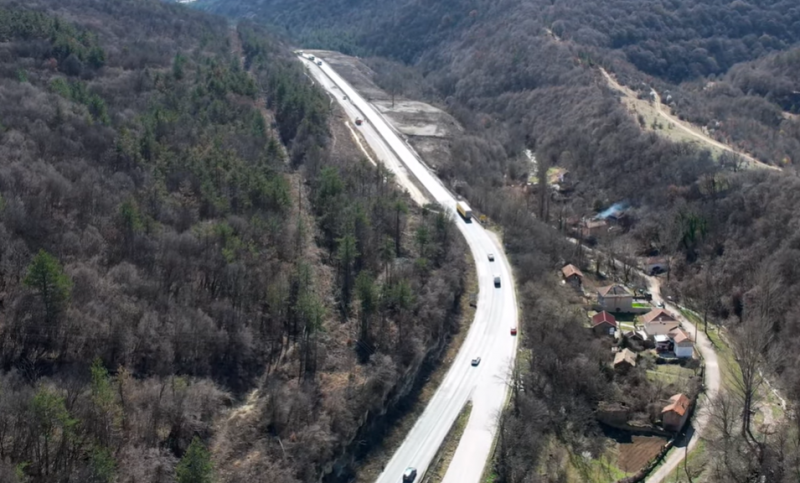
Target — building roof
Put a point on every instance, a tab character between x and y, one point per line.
660	338
637	334
680	337
612	290
625	355
660	314
595	224
603	316
570	270
678	403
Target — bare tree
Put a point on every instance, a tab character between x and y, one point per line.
750	348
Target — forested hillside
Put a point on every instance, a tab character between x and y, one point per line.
195	285
525	74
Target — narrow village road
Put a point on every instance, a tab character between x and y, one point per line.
712	382
712	385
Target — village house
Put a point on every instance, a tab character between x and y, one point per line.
572	275
624	360
682	344
593	228
675	414
604	323
659	322
615	298
656	265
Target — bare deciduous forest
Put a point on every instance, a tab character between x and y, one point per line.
195	285
525	74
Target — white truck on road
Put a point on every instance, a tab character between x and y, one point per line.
464	210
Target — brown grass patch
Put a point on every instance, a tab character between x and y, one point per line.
635	455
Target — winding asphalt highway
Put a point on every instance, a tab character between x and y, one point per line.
489	335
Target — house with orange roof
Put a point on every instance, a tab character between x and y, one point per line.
659	322
572	275
624	360
675	414
615	298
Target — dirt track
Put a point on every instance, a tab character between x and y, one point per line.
685	128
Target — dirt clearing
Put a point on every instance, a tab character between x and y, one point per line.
634	455
658	119
427	128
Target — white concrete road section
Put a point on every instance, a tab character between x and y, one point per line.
489	336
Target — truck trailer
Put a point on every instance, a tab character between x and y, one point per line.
464	210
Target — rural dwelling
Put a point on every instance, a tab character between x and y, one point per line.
656	265
604	323
572	275
659	322
675	414
682	344
615	298
624	360
593	228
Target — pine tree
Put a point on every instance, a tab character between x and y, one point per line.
47	277
195	466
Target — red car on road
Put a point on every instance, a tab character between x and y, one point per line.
513	331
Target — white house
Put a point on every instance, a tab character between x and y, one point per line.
682	344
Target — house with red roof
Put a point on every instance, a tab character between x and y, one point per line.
604	323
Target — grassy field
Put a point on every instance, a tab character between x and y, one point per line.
670	374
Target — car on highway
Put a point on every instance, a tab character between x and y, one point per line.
409	475
491	257
476	361
359	121
319	62
660	305
497	280
513	331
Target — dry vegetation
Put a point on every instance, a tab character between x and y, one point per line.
188	260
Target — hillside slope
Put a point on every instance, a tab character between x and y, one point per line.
524	74
194	283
